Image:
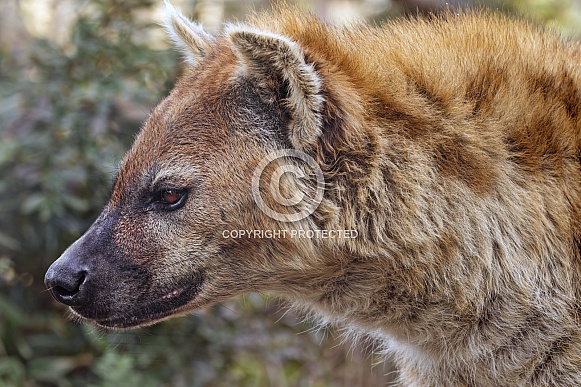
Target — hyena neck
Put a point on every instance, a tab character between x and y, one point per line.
527	357
433	343
484	327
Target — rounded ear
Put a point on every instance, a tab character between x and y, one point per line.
189	37
275	62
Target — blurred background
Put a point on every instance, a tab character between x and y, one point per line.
77	79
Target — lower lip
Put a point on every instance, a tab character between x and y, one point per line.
132	321
173	294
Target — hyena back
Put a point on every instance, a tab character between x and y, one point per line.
451	144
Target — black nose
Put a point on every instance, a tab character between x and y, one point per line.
65	283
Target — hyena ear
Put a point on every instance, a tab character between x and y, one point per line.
189	37
277	64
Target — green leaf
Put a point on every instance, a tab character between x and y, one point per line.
12	371
33	203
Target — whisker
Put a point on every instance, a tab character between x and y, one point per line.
220	304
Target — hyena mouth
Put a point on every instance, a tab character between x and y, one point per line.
143	314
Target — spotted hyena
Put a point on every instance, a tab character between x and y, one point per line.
419	182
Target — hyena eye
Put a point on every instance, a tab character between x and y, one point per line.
170	198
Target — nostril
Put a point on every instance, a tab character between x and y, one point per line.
70	291
68	278
66	290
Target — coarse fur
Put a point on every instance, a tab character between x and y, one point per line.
450	143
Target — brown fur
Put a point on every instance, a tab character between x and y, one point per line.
452	144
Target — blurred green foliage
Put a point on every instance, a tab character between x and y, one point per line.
561	15
67	113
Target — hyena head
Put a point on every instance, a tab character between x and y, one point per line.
163	245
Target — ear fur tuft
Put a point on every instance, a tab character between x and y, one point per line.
266	56
189	37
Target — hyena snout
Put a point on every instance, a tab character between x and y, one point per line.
94	277
101	280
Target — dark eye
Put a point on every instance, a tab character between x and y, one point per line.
170	198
